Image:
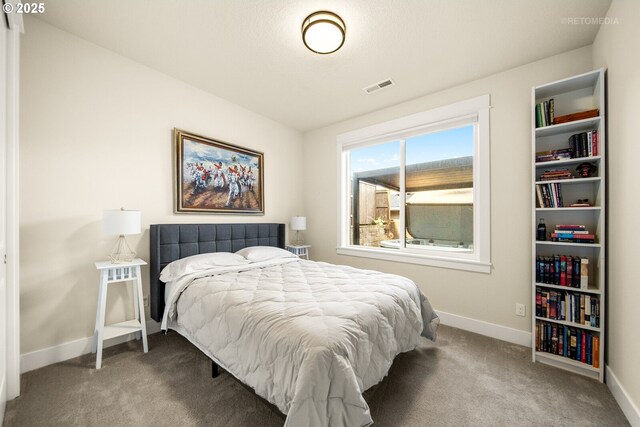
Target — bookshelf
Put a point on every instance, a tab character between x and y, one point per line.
569	269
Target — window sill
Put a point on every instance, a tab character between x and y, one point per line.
413	258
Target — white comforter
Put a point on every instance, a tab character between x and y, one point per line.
308	336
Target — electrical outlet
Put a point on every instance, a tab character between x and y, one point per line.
521	310
145	300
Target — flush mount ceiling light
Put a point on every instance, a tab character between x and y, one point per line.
323	32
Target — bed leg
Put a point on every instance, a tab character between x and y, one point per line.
215	369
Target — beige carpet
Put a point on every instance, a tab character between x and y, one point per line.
463	380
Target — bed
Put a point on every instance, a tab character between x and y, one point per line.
308	337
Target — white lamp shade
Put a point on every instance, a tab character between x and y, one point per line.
120	221
298	223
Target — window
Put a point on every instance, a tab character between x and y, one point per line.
416	189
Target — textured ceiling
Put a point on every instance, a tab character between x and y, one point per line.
250	52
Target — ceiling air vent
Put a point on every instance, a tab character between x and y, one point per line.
380	85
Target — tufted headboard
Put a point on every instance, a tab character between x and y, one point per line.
170	242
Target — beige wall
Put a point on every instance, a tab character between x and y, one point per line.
617	47
488	297
96	133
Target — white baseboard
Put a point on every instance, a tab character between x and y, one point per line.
69	350
492	330
627	405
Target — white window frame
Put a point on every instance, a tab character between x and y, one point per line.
476	111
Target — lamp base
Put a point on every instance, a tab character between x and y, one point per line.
299	241
122	252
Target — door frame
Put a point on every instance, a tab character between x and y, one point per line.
16	28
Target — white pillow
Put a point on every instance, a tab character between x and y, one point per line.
264	253
194	263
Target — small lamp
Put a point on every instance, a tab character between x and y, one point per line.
298	224
121	222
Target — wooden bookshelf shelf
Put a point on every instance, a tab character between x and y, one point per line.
571	95
570	84
571	181
582	208
567	162
571	324
580	245
567	360
569	288
575	126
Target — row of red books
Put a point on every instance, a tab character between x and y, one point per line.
563	270
574	343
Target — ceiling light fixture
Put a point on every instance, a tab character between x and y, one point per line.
323	32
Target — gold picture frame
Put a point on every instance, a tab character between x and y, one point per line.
216	177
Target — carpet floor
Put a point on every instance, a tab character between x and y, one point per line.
464	379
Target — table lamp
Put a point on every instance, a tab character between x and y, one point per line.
298	224
121	222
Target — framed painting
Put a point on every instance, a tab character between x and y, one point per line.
217	177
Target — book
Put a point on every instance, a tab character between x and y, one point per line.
539	195
573	144
571	227
546	201
552	107
572	232
596	352
560	201
576	272
573	238
547	304
583	145
584	273
563	235
584	238
547	271
554	196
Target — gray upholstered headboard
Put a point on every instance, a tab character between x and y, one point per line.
170	242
